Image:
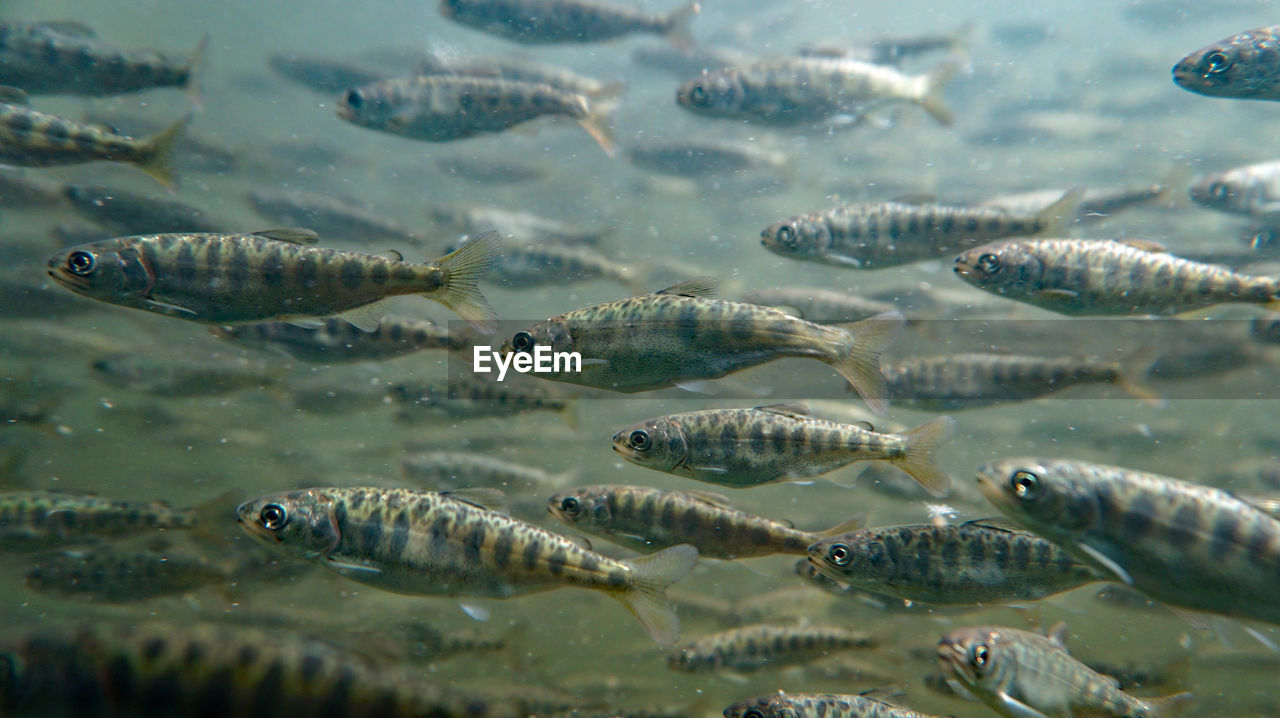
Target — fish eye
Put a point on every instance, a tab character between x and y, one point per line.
1220	191
273	517
522	341
571	505
698	93
785	234
1216	62
1025	485
980	656
989	263
80	263
639	440
839	554
752	713
355	99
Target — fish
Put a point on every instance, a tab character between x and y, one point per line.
518	227
544	22
444	108
817	705
159	375
1096	204
821	306
1245	66
1095	277
66	58
811	90
522	265
152	668
271	275
1250	190
680	333
753	648
740	448
954	564
332	216
519	68
646	519
42	520
128	212
442	544
470	396
448	470
701	158
30	138
890	234
888	49
337	340
952	382
112	575
1020	674
1198	548
323	74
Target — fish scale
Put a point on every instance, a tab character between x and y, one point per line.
38	520
817	705
64	58
1192	546
753	648
425	543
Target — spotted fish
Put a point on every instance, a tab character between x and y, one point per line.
238	278
29	138
40	520
973	562
1083	277
1245	66
541	22
442	544
645	519
337	340
680	333
817	705
1025	675
1188	545
747	447
753	648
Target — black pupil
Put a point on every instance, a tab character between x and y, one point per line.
1219	191
570	505
989	262
839	554
753	713
980	656
80	262
1218	62
784	234
354	99
1023	484
639	440
698	93
272	516
522	340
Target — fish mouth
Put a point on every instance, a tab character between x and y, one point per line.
626	451
68	280
964	269
953	660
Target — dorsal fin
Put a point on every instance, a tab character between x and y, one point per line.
710	497
794	410
13	95
72	28
482	498
1265	503
698	288
292	235
996	523
392	254
1058	634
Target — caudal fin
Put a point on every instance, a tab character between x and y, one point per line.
155	155
646	596
461	292
1055	218
598	122
934	83
194	66
920	460
1132	372
859	358
679	32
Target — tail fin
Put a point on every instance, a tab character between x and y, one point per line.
1174	705
155	155
678	31
920	460
194	68
1055	218
598	121
463	268
859	358
646	595
1132	371
931	94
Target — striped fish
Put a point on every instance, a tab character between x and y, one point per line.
337	340
29	138
40	520
237	278
540	22
1082	277
646	519
1025	675
443	544
817	705
741	448
967	563
1188	545
874	236
752	648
